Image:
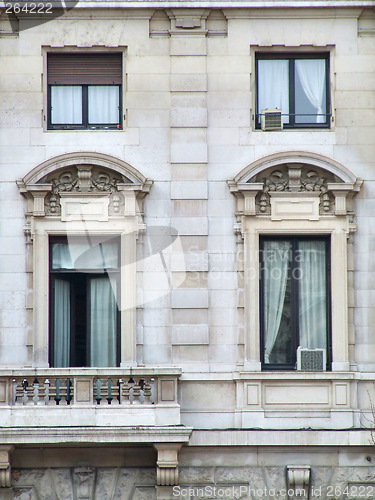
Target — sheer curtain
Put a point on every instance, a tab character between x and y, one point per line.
80	256
312	74
66	105
312	294
62	323
273	85
103	104
102	323
275	274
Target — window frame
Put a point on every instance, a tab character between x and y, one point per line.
88	273
295	238
292	57
85	125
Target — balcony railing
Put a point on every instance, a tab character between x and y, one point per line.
144	395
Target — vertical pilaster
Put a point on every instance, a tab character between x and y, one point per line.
189	186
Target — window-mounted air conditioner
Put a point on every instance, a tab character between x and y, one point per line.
271	119
311	360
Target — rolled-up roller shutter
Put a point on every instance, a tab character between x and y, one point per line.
84	69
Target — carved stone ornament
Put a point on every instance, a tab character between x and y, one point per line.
294	179
125	195
83	179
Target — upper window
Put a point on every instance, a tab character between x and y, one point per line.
84	317
294	298
295	84
84	91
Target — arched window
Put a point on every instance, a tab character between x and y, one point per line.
84	213
294	217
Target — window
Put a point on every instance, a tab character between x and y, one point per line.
297	85
294	298
84	91
84	318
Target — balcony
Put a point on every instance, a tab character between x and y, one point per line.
111	397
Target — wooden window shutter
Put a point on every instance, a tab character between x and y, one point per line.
84	69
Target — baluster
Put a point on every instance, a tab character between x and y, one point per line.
131	384
58	392
25	397
68	396
109	391
142	384
36	391
46	391
98	388
152	391
14	391
120	384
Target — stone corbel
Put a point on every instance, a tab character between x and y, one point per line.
5	469
134	195
37	193
342	192
298	480
245	193
167	462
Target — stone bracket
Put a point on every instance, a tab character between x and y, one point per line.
167	462
5	468
298	480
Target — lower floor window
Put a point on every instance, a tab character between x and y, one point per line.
294	298
84	314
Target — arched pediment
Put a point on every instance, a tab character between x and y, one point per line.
82	175
65	161
295	157
295	175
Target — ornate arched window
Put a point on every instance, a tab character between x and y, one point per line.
294	217
84	214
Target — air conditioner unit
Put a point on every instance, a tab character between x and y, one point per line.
271	119
311	360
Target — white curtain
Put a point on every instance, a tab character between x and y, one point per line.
103	104
102	323
273	86
62	323
312	75
66	105
275	274
312	294
83	255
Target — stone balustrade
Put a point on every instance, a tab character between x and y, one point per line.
144	392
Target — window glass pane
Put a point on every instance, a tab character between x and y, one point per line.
311	257
102	323
273	86
83	255
61	320
277	302
103	104
66	105
310	90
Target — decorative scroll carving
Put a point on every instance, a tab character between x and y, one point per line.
298	480
294	179
84	179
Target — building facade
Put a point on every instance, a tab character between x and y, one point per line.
187	271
